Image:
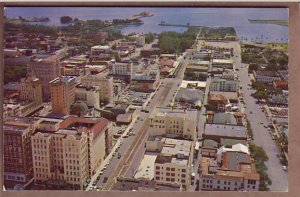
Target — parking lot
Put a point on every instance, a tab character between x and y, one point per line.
134	98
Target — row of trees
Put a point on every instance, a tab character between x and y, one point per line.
174	42
260	157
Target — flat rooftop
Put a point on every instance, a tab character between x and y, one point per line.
222	61
225	130
201	84
188	114
146	167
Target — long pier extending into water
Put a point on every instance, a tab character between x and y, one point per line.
162	23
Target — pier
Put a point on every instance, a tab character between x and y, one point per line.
162	23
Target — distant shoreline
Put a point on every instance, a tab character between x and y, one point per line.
270	21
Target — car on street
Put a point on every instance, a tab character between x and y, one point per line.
105	179
284	168
251	112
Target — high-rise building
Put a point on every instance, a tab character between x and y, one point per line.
31	91
62	94
17	152
68	152
46	70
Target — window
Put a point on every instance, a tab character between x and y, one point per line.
168	174
167	179
172	169
183	170
157	172
172	179
157	178
157	167
172	174
168	168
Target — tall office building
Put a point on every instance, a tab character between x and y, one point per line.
62	94
46	70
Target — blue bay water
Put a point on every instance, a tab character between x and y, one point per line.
212	17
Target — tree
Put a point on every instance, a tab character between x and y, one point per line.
252	66
149	37
66	19
271	66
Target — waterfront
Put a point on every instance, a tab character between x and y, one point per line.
213	17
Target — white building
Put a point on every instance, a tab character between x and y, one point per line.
173	164
266	76
234	170
180	123
223	85
121	68
89	95
104	82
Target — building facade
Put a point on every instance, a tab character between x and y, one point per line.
89	95
68	152
17	152
46	70
223	85
62	94
165	121
266	76
173	164
104	82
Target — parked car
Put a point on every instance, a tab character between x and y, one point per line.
105	179
284	168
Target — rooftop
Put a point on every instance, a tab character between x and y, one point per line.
63	79
101	47
232	160
146	168
225	130
222	61
268	73
165	111
224	118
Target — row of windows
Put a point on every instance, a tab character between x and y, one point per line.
170	179
169	169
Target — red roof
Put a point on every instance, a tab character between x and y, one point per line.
167	62
165	69
281	84
95	125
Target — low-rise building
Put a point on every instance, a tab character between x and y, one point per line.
101	53
218	131
174	162
224	118
223	85
222	63
234	172
140	184
173	122
216	102
266	76
121	68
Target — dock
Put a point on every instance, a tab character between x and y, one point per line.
162	23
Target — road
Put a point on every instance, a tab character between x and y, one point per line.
261	135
